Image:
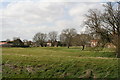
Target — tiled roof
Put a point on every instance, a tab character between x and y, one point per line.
3	43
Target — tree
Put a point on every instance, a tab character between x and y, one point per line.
27	43
7	40
112	19
67	35
106	24
53	37
40	38
95	24
62	39
82	40
17	42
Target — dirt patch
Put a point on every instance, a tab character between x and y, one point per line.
88	74
30	69
11	66
8	54
15	54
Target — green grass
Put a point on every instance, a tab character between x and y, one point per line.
58	62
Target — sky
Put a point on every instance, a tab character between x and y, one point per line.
24	18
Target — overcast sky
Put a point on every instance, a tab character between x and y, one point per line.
24	18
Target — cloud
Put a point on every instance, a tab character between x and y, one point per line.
1	0
24	19
113	0
59	0
52	0
32	12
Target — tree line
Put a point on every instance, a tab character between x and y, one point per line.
68	37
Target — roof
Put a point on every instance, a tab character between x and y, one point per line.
96	40
3	43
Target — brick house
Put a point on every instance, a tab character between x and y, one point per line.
49	43
94	43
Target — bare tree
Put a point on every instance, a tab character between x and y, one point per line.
53	37
14	38
94	22
7	40
17	42
62	39
106	24
82	40
27	43
112	19
40	38
68	34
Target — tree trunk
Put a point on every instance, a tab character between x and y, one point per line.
118	47
83	47
41	45
68	46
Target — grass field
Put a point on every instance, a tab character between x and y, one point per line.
58	62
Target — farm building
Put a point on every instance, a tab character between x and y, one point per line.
49	43
5	44
94	43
